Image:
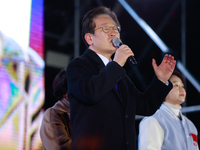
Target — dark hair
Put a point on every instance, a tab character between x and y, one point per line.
180	75
60	85
87	22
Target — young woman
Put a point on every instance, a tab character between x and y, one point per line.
168	129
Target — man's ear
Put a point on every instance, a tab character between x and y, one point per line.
88	38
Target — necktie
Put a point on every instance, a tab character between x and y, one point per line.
117	88
179	116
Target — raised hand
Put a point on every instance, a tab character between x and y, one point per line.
165	69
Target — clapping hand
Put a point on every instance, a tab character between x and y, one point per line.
165	69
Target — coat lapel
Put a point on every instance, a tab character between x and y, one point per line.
123	92
98	65
94	59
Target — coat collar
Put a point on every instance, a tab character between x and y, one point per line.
62	105
94	58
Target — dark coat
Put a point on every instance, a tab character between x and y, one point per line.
101	117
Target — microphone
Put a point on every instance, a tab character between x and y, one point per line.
117	43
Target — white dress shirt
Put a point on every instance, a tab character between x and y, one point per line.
103	58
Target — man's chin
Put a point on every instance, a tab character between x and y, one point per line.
112	50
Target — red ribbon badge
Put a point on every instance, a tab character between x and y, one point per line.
194	137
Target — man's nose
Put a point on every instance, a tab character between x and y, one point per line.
112	32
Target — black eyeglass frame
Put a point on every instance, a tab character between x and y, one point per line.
118	29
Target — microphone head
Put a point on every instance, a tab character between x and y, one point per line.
117	42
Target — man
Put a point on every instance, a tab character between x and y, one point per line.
103	116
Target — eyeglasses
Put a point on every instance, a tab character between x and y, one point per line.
107	28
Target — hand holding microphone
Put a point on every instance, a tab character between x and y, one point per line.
117	43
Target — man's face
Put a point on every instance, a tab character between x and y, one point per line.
101	41
177	95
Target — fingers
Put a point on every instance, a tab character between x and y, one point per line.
173	64
154	64
126	50
122	53
169	60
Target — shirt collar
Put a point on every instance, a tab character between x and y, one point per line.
104	59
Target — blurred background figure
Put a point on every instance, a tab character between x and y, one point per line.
55	130
168	128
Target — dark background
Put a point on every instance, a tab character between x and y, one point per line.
163	16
